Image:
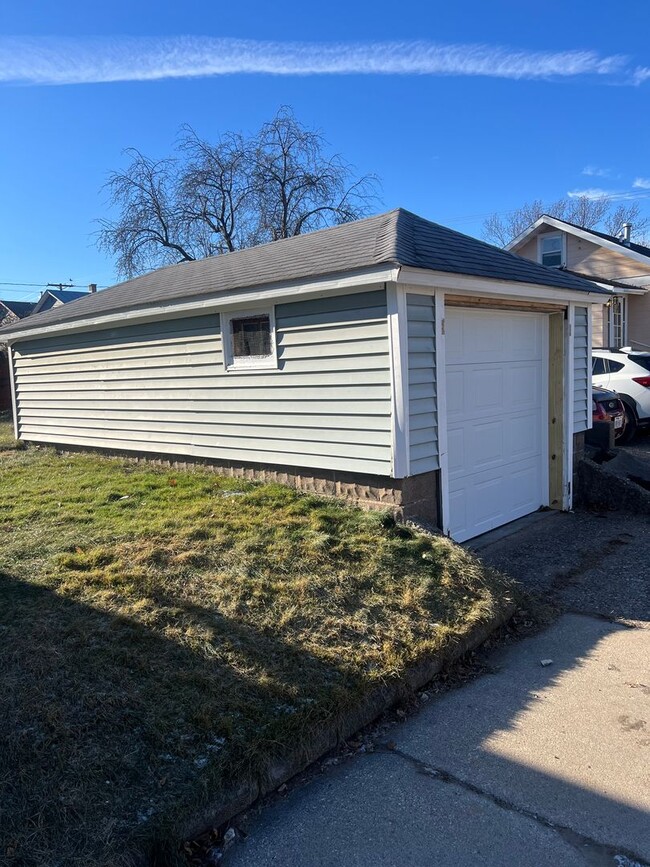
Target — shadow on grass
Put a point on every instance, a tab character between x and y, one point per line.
113	736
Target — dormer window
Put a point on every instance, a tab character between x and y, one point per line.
551	251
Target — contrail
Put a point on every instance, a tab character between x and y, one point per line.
59	61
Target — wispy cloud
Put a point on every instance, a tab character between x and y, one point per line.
596	172
640	74
599	193
642	184
52	61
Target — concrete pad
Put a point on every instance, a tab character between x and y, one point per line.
382	811
570	741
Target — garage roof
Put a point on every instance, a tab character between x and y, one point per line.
398	238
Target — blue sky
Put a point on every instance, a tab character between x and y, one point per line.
461	109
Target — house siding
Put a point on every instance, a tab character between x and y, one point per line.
592	259
162	387
581	372
638	321
422	388
599	326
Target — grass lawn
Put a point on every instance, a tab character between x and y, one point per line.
163	633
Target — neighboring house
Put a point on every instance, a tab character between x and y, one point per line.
390	360
617	264
14	311
10	312
55	298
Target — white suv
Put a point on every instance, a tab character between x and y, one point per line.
628	373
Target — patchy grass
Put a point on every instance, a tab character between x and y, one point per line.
165	632
7	438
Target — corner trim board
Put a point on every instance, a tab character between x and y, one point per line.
398	340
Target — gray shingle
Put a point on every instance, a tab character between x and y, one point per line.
395	238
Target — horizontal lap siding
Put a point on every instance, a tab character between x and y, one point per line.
423	410
162	387
581	372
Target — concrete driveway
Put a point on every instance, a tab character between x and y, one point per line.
532	764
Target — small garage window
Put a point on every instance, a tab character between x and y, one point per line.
249	340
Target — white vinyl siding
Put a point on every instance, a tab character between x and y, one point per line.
581	373
162	387
423	414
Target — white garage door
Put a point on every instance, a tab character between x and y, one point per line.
497	418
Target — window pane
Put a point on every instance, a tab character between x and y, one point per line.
598	366
551	260
615	366
251	337
552	245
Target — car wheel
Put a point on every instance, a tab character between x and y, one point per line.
630	429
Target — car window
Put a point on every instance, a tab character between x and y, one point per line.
598	367
615	366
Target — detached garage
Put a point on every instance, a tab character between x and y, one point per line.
390	361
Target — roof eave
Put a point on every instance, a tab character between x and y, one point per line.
468	283
213	303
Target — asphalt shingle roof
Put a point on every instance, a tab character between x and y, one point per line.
19	308
65	295
394	238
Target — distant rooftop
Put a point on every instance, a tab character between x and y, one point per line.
66	295
19	308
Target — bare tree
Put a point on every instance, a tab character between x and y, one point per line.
589	213
152	228
297	189
215	198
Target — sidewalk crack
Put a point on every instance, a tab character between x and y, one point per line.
594	852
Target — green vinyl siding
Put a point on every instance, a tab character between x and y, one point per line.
423	409
162	387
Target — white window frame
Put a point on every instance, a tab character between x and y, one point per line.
546	236
621	300
242	363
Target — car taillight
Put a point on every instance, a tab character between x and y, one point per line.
642	380
599	412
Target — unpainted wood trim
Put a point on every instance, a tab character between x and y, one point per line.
479	302
556	410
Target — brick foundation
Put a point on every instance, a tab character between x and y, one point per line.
414	498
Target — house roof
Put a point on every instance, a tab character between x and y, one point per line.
19	308
65	295
611	242
397	238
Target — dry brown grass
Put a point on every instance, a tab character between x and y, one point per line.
164	633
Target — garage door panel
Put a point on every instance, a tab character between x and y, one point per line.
456	450
491	498
486	445
524	436
496	405
524	384
474	391
509	336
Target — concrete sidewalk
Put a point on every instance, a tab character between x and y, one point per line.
531	765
